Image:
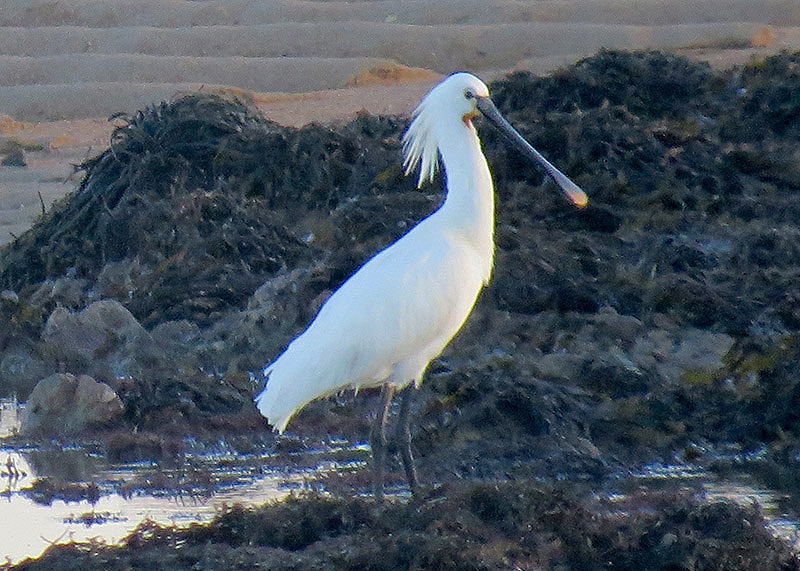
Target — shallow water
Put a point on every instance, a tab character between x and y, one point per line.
195	490
192	492
36	526
741	489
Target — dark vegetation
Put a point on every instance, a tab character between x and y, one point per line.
660	322
471	527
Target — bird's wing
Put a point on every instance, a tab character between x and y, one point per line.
400	309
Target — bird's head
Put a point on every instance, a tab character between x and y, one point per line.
462	93
452	101
461	97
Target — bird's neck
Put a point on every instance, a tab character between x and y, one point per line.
469	205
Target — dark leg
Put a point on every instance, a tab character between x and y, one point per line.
404	438
378	442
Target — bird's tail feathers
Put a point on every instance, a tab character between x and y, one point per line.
268	401
290	385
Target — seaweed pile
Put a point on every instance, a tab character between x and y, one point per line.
201	189
661	322
661	319
471	527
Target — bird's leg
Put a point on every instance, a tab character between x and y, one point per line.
378	442
404	438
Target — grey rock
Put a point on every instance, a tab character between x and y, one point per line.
15	158
66	404
559	365
180	334
78	338
20	370
674	353
117	280
67	291
169	349
9	296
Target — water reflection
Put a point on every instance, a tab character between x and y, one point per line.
71	464
743	491
778	522
133	493
193	491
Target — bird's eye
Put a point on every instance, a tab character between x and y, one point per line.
469	94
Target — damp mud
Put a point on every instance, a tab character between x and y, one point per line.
658	326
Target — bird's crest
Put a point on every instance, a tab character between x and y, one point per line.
420	147
447	104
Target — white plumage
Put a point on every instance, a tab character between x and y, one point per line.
398	312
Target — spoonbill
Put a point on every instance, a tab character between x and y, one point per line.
386	323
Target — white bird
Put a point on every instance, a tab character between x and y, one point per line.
386	323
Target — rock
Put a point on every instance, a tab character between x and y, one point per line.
282	300
169	349
559	365
620	328
20	370
9	125
116	279
615	354
691	301
612	374
66	404
66	291
79	338
674	354
182	334
9	296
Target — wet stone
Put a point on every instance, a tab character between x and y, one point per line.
79	338
67	404
20	370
